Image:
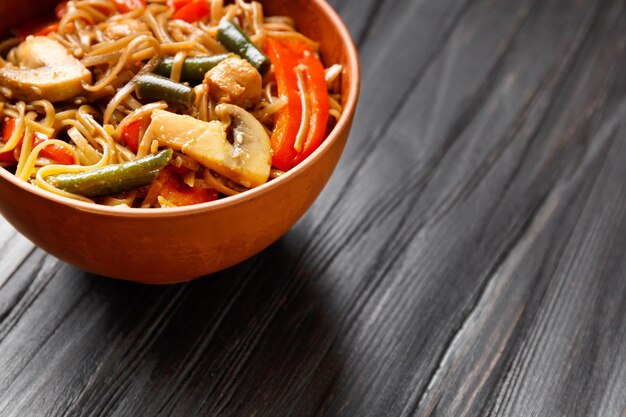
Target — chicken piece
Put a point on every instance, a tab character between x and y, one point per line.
123	28
41	68
235	81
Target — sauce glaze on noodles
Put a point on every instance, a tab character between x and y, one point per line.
92	124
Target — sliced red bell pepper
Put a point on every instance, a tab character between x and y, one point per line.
288	57
191	11
318	101
40	29
7	130
288	121
180	194
125	6
46	30
55	152
130	134
8	157
36	28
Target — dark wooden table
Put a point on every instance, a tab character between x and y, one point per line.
467	258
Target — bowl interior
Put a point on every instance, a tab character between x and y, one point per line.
314	18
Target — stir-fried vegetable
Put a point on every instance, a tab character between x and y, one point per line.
301	124
7	130
44	69
155	87
190	10
175	191
55	152
113	179
194	68
131	133
37	28
247	160
237	42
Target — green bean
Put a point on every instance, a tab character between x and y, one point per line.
113	179
155	87
194	68
233	39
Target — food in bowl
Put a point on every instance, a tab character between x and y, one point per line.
164	246
154	104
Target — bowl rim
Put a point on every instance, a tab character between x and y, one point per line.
341	126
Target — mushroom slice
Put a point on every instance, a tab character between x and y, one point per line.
247	159
41	68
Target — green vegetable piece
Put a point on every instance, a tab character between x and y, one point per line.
194	68
113	179
155	87
233	39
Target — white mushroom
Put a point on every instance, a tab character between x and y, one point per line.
41	68
247	159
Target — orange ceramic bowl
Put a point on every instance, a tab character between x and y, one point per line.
160	246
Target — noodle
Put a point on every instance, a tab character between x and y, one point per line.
113	72
49	136
177	66
306	112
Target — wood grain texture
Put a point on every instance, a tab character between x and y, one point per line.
466	259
